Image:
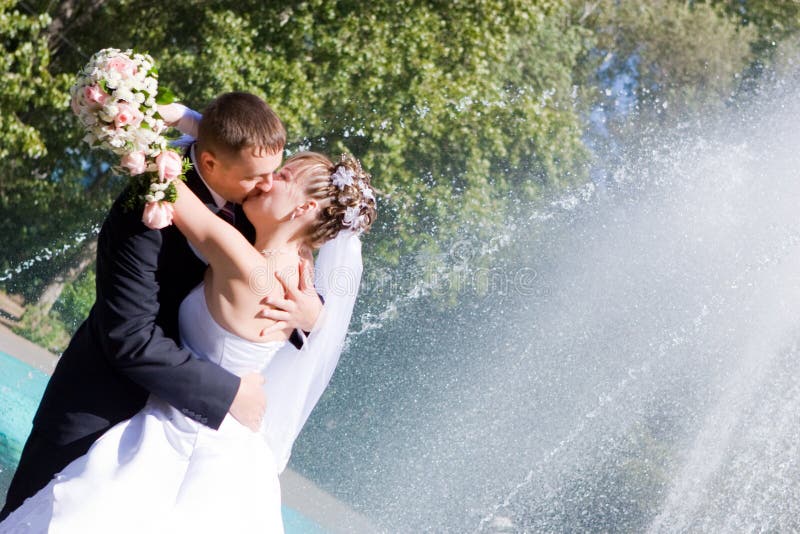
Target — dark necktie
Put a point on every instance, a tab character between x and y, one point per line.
227	214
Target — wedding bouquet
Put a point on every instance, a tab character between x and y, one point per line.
116	97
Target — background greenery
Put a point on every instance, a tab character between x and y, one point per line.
460	109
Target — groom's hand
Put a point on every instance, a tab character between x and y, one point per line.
250	402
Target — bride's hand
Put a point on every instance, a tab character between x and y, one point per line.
171	113
301	307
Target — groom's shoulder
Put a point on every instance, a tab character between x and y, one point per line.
124	220
124	209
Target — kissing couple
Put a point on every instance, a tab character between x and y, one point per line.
176	404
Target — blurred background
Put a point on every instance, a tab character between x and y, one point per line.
586	240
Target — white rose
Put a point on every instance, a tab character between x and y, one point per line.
138	145
88	119
126	95
147	136
110	109
113	77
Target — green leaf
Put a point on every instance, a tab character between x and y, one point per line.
165	96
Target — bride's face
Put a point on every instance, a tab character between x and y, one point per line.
277	203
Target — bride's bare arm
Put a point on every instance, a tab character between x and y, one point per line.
226	250
186	120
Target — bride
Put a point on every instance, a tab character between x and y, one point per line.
161	471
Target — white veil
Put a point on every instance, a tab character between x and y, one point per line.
296	379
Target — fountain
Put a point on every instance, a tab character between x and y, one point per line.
630	367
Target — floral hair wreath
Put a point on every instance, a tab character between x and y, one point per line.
349	174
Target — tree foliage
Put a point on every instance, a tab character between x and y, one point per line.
684	56
772	20
26	82
430	95
49	190
457	108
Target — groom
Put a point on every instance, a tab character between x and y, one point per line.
129	345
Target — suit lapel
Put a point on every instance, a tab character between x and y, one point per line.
199	188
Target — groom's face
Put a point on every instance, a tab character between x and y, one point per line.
234	176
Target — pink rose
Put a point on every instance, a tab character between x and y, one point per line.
134	162
170	165
128	115
75	103
158	215
124	66
95	95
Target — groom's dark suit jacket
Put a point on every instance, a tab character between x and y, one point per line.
127	348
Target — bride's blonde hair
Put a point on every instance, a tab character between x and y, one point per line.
342	206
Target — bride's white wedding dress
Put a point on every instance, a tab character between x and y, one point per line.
161	471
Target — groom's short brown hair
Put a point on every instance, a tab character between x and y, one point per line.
236	120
